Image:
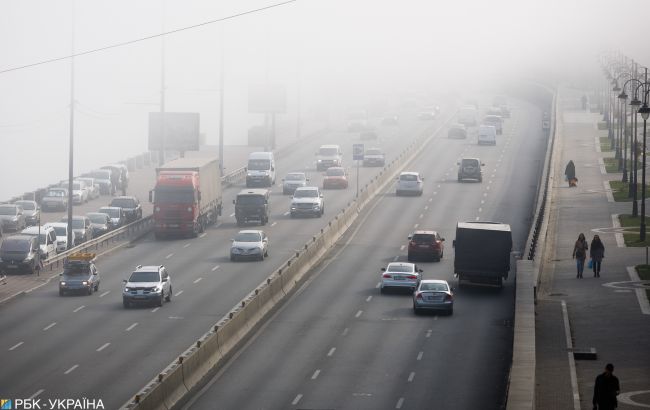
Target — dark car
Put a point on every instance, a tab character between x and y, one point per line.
130	205
118	177
115	214
20	253
100	222
79	275
81	225
457	131
470	168
425	245
252	205
12	217
55	199
31	210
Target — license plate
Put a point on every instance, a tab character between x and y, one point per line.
423	246
398	277
430	298
12	266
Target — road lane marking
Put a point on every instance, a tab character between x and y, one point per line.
203	235
35	395
274	223
198	280
315	375
369	298
345	331
378	284
480	210
395	258
286	213
359	313
482	201
426	207
105	293
429	332
416	226
70	370
296	400
420	356
421	215
179	293
51	325
78	309
104	346
169	256
331	352
401	248
430	199
128	329
215	268
400	402
154	310
16	346
411	377
187	245
478	219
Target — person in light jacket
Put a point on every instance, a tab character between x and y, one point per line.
596	253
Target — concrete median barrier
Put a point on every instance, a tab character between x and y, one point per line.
172	385
231	331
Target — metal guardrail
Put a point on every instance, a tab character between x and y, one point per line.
234	177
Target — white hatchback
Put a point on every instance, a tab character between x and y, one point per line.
409	183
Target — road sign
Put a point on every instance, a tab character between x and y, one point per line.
357	152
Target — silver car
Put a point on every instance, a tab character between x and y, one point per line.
402	275
147	284
292	181
409	183
91	186
31	210
307	201
249	244
433	294
12	218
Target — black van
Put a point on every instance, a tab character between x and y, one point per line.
252	205
19	253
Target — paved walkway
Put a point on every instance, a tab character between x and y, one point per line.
604	313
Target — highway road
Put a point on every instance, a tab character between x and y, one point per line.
90	346
339	343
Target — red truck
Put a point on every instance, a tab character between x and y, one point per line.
187	196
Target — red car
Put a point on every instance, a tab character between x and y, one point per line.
426	245
335	177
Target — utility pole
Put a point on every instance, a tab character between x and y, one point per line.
161	158
221	98
71	126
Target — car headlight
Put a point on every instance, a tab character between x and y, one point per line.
62	283
320	160
158	288
127	289
85	283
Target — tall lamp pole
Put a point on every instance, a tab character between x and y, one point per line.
645	113
71	142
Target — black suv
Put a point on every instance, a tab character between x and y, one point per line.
20	253
130	205
79	275
470	168
252	205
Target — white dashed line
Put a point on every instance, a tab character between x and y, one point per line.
203	235
285	214
35	395
187	245
485	194
421	216
428	332
420	356
400	402
378	285
480	210
296	400
401	248
104	346
51	325
70	370
482	201
179	293
232	214
438	186
215	268
315	375
128	329
169	256
274	223
331	352
105	293
359	313
395	258
78	309
369	298
154	310
345	331
416	226
435	192
430	199
477	218
16	346
197	280
411	377
426	207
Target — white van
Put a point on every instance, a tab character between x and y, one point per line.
47	239
487	134
329	156
261	169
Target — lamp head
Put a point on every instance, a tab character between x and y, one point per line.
645	112
635	101
616	87
622	95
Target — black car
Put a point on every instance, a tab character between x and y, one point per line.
470	168
130	205
252	205
99	222
79	275
20	253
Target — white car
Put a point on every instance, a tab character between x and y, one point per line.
402	275
249	244
307	201
61	231
79	191
409	183
47	239
91	186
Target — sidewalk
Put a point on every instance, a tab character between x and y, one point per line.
602	313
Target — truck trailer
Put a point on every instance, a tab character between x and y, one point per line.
482	252
187	196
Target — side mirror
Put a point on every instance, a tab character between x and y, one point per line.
420	270
124	280
233	201
383	269
165	279
320	195
442	239
453	243
409	237
95	273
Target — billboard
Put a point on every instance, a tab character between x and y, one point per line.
181	130
267	99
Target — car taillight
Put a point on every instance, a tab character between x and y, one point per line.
412	277
386	275
412	243
418	295
448	298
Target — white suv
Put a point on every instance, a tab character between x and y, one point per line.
307	201
328	156
147	284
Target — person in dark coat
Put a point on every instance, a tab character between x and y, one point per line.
570	173
580	253
606	389
597	253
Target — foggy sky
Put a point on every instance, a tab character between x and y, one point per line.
341	52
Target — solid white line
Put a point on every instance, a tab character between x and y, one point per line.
105	293
128	329
274	223
345	331
70	370
331	352
198	280
51	325
296	400
359	313
169	256
597	141
16	346
38	393
78	309
154	310
315	375
640	293
420	356
620	240
203	235
572	363
187	245
104	346
400	402
232	214
369	298
179	293
411	377
215	268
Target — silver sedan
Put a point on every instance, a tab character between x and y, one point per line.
249	244
433	294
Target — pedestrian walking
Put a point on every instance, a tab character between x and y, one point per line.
580	253
570	174
596	253
606	388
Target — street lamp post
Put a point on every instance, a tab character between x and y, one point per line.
645	113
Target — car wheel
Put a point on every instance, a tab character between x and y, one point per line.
266	253
161	300
61	292
126	304
382	290
97	287
451	311
416	310
232	258
261	257
90	290
169	295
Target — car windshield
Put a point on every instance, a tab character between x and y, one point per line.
112	212
123	203
408	177
56	193
101	174
250	200
423	238
142	276
259	164
469	163
335	172
328	151
305	193
436	287
400	268
295	177
7	210
372	151
97	218
76	223
15	245
247	237
27	205
174	196
61	230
